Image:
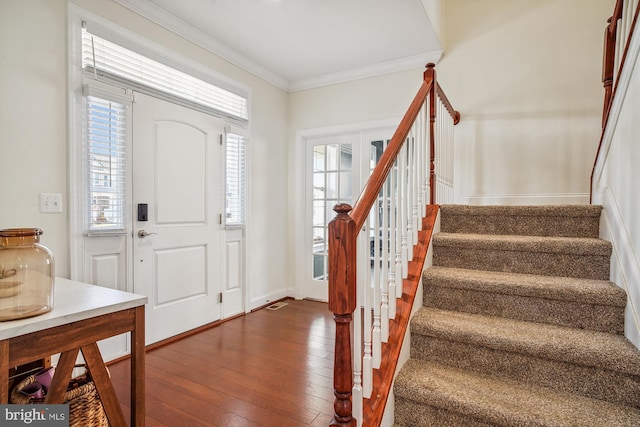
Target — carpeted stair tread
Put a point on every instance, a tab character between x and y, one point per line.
501	402
547	220
530	285
594	211
541	255
597	305
545	244
582	347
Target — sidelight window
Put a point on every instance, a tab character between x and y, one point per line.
105	130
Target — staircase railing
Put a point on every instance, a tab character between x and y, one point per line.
617	35
372	243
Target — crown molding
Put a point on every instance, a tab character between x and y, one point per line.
401	64
176	25
160	16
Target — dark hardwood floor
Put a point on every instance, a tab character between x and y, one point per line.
267	368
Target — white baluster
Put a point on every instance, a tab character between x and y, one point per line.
367	369
356	396
415	219
410	193
439	152
419	172
375	285
393	243
384	281
403	203
424	166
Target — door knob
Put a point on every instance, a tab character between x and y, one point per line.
142	234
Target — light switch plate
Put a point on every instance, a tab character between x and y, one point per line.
50	203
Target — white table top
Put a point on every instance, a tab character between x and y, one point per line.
73	301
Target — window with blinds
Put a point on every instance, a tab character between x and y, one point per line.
117	64
105	162
235	148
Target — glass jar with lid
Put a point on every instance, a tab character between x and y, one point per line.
27	274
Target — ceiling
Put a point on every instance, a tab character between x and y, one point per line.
301	44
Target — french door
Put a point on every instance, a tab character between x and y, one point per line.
337	166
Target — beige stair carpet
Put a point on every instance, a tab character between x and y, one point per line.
520	325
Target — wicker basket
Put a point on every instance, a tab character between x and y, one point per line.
85	408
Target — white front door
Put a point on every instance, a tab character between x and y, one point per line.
177	174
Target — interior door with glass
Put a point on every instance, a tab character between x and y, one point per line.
331	179
337	168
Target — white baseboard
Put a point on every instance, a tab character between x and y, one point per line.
528	199
269	298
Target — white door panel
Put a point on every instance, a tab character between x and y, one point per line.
234	273
177	173
105	264
181	173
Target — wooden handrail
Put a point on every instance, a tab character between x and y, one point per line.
609	57
371	189
608	69
455	114
343	233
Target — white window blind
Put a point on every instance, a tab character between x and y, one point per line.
103	58
235	178
105	160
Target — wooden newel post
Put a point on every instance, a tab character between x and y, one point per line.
342	302
430	73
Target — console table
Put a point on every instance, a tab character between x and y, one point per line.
82	315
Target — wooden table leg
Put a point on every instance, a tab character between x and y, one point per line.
4	371
138	370
105	389
61	377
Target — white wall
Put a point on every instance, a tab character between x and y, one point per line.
615	187
525	76
33	155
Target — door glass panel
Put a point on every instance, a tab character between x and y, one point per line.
318	267
346	185
332	184
318	185
377	147
332	157
346	158
318	158
318	239
318	213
